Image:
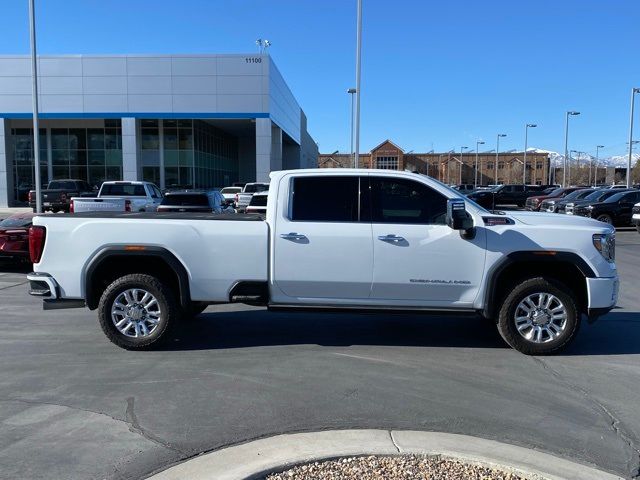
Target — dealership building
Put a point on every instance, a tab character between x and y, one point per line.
188	121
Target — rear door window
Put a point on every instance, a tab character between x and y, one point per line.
325	199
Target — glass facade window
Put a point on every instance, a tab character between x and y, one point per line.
196	154
23	167
90	154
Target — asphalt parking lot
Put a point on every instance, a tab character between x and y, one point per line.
72	405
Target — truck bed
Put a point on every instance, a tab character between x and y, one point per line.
237	217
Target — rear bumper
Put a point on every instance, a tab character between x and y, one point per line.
44	286
602	296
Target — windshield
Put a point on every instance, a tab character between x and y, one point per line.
231	190
616	197
125	189
577	194
256	187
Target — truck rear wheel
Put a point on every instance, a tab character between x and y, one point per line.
539	316
138	312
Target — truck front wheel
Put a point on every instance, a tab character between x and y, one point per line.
138	312
539	316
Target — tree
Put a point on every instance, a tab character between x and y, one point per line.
635	173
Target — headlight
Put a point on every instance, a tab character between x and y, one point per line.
589	207
605	243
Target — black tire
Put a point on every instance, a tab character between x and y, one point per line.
169	316
507	323
638	227
606	218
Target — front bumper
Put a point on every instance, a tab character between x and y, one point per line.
602	296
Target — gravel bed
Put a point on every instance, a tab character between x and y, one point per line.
400	467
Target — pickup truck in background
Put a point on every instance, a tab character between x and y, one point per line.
57	196
383	240
120	196
506	195
635	217
244	198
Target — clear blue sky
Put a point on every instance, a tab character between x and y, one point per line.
436	73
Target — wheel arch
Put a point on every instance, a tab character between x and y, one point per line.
566	267
118	260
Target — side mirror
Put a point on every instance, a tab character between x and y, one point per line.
458	218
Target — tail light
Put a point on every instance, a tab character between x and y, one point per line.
237	197
30	197
37	236
127	205
63	197
71	207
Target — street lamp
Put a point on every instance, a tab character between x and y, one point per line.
566	177
475	181
351	91
598	147
460	166
358	69
34	98
497	155
524	164
633	96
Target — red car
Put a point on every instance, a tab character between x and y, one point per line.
14	235
533	203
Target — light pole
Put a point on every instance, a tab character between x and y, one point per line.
566	177
351	91
524	164
598	147
460	166
356	156
498	136
475	181
34	98
633	96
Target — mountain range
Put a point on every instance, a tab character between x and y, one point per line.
612	161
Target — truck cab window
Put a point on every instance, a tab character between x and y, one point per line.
397	200
325	199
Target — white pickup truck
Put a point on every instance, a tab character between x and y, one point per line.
381	241
120	196
243	199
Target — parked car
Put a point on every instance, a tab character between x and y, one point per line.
599	195
128	196
14	235
57	196
616	210
210	201
505	195
557	205
434	250
636	216
258	203
243	198
533	203
229	194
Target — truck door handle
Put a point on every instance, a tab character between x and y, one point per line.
391	238
293	236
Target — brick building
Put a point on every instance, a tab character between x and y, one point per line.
450	167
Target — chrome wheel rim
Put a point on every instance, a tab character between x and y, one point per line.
135	313
541	317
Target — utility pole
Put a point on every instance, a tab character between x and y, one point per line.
34	97
358	68
475	182
633	96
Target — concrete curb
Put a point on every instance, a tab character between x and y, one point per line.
255	459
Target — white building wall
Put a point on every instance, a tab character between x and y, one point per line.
5	165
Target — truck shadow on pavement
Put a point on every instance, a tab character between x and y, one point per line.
256	328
